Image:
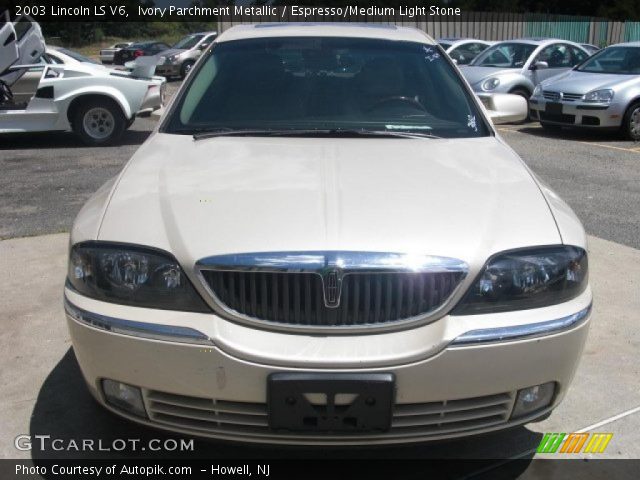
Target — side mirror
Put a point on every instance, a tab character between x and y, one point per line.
454	61
539	66
202	46
504	107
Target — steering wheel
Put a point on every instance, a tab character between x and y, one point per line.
413	101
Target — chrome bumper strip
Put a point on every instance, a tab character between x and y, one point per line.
153	331
519	332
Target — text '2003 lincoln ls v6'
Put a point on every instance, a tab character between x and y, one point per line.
326	242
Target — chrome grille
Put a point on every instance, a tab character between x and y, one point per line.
304	299
206	416
561	96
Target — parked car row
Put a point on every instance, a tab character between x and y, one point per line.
171	61
566	83
562	83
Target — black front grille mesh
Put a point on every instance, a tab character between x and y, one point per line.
298	298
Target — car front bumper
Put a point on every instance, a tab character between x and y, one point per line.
578	114
215	384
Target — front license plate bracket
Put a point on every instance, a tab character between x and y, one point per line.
328	402
553	108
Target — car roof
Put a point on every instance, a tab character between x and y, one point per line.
356	30
626	44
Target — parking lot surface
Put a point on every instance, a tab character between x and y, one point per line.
46	179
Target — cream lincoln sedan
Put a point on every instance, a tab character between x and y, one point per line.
326	242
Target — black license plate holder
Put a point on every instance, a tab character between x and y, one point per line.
553	108
354	403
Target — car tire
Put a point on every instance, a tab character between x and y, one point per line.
98	122
186	68
631	122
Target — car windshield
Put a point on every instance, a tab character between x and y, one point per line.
188	42
620	60
505	55
327	83
76	56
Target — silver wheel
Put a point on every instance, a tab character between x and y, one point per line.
634	123
187	68
98	123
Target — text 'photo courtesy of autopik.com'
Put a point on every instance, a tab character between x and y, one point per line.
320	239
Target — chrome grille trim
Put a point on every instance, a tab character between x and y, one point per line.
333	291
561	96
211	417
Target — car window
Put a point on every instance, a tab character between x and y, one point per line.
121	45
577	55
464	54
444	45
51	58
209	40
22	27
505	55
619	60
188	42
556	55
328	83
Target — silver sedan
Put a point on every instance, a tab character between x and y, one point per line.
517	66
603	92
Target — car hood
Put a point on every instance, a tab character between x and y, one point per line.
460	198
583	82
477	74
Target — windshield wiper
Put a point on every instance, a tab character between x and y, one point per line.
230	132
338	132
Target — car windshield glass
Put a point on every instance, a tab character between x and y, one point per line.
329	84
188	42
620	60
76	56
505	55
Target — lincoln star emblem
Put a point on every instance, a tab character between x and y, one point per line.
332	282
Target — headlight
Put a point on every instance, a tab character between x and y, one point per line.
161	60
537	91
600	96
132	275
490	83
172	58
524	279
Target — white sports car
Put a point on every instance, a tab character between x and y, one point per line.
96	103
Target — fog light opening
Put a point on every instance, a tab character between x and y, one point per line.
532	399
124	397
